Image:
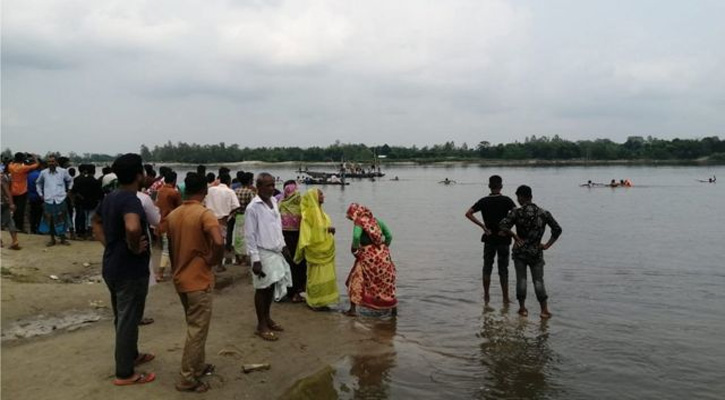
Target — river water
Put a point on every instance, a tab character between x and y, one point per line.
635	285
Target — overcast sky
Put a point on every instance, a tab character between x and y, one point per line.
107	76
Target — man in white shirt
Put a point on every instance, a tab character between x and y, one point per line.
53	185
267	253
223	202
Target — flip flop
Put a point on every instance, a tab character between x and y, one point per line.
140	379
197	387
208	370
146	321
276	327
267	335
143	358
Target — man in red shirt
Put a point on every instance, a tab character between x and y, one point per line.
168	198
19	168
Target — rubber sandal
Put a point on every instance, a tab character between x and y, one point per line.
143	358
276	327
208	370
198	387
146	321
268	336
141	379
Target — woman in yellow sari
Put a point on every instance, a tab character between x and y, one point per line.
317	246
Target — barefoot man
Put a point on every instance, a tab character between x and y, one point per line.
120	225
530	221
195	246
493	208
267	252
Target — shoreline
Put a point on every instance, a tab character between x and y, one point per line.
76	361
457	162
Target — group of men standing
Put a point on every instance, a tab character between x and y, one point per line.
195	243
500	215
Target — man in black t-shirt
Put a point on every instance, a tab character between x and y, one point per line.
120	225
493	208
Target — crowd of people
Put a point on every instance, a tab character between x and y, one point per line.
207	222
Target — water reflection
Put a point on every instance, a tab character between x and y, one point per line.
516	357
362	376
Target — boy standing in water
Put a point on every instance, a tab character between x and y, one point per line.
493	208
530	221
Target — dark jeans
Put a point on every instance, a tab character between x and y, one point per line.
537	275
490	251
128	299
299	271
230	232
36	213
19	215
82	220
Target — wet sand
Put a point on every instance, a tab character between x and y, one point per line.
75	360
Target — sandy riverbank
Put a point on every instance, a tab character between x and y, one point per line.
76	360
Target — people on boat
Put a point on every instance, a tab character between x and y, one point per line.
316	246
371	282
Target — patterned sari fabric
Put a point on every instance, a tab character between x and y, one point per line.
371	282
317	246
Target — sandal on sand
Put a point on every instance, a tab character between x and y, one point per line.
196	387
143	358
15	247
146	321
208	370
139	379
50	244
297	298
267	335
276	327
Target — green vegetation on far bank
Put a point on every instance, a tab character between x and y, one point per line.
533	151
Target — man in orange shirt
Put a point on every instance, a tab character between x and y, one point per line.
168	198
195	246
19	170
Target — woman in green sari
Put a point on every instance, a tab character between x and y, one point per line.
317	246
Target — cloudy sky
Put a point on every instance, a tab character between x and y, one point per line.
108	75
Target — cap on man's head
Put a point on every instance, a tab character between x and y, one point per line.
524	191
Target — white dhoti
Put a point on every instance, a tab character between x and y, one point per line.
277	272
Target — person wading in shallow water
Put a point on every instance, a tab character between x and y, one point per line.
493	208
530	221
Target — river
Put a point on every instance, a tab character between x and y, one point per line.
635	283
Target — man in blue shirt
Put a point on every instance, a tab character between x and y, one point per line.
53	185
120	225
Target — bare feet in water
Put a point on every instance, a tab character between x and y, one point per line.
523	312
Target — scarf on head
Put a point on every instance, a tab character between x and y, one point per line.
363	217
316	244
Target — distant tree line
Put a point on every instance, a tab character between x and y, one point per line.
532	148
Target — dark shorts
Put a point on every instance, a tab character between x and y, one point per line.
490	252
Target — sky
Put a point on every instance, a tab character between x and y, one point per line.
109	75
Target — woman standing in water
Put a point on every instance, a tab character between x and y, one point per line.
316	246
371	282
289	208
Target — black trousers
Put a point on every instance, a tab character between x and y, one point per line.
230	232
128	299
299	271
36	213
19	215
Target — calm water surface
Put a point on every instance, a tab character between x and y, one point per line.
635	283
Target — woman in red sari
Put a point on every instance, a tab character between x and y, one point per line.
371	282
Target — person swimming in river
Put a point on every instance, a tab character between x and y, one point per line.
447	181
